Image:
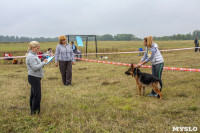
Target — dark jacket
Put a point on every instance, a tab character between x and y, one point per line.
196	42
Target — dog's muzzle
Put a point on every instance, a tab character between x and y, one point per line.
127	73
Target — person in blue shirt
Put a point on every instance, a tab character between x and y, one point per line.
153	55
73	46
76	52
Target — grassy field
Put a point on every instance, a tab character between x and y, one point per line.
102	45
102	98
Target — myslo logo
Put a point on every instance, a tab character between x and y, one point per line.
190	129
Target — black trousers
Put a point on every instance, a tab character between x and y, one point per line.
35	97
157	71
196	49
66	71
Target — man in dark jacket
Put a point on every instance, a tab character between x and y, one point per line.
196	42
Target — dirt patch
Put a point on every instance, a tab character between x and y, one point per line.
22	97
181	94
19	71
172	112
17	108
110	83
52	78
128	95
82	68
1	82
90	77
12	76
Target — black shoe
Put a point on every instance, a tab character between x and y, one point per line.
152	95
33	112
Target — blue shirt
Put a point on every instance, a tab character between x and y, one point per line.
74	48
64	53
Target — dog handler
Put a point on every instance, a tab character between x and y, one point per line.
153	55
65	55
35	73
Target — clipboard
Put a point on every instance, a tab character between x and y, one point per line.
49	59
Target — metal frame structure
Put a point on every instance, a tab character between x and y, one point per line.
84	36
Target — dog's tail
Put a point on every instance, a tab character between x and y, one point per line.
160	81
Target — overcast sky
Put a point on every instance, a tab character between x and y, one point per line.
52	18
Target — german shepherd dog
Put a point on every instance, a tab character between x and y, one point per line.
144	79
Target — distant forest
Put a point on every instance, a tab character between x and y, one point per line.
105	37
188	36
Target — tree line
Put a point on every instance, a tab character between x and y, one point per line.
105	37
118	37
26	39
189	36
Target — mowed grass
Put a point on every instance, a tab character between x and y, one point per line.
102	98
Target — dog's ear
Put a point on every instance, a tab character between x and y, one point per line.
132	65
137	70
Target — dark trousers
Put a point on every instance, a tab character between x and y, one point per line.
35	97
78	54
66	71
196	49
157	71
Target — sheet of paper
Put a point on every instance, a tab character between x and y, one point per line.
50	59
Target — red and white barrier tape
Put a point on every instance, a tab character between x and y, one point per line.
143	66
19	56
12	57
124	64
135	51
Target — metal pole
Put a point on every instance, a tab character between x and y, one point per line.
96	44
86	45
68	39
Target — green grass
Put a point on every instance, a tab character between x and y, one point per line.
103	98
